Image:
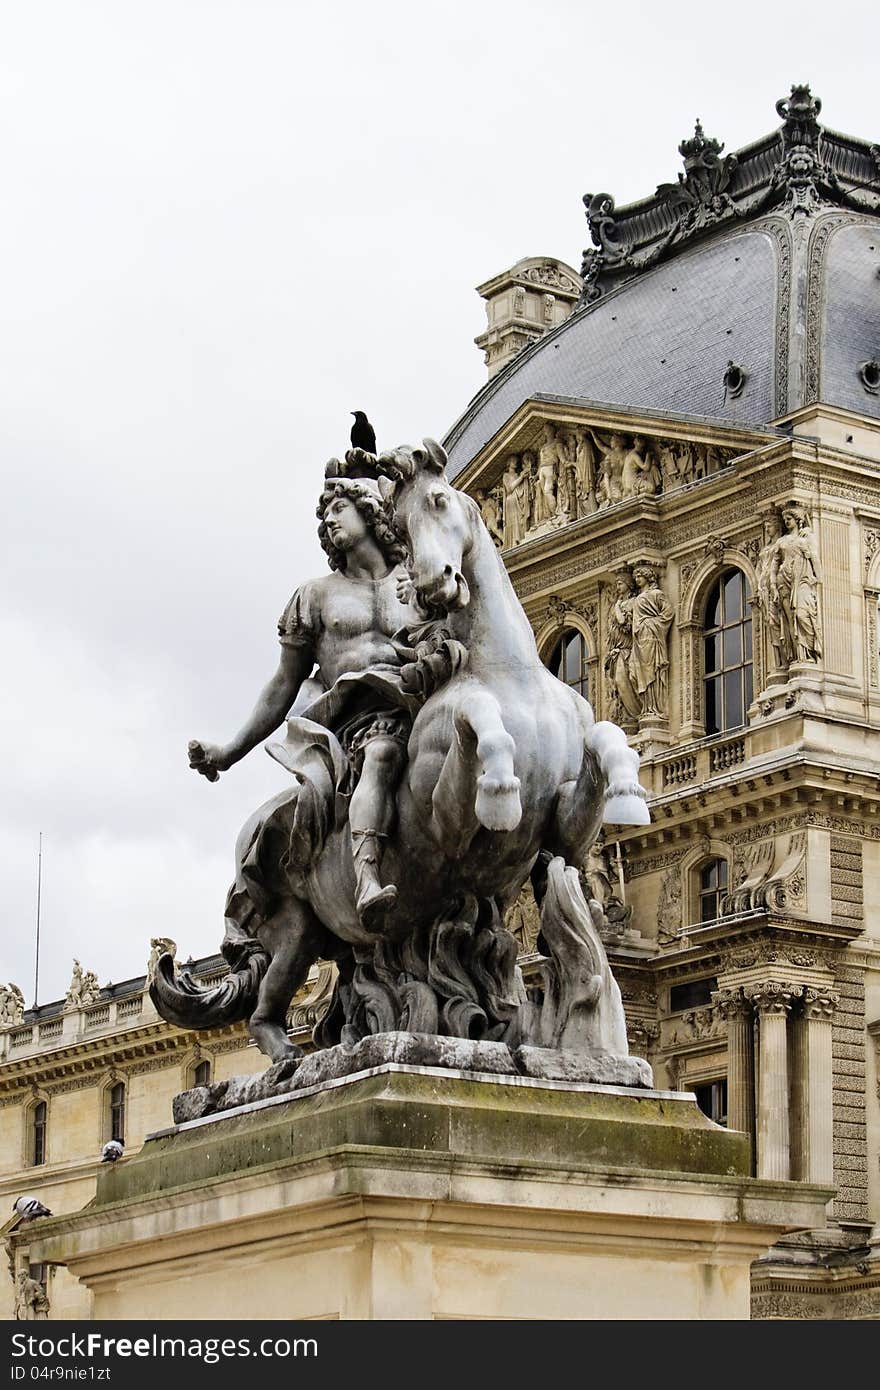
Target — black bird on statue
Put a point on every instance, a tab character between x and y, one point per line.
363	436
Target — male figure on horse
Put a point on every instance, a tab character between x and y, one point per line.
348	624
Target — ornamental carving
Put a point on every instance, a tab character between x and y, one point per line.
523	921
731	1003
773	996
697	1025
772	875
805	169
872	545
642	1036
820	1004
669	908
549	274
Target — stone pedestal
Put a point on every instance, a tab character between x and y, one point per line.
419	1193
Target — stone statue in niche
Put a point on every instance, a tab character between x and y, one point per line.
515	491
768	594
793	577
11	1006
618	656
436	766
651	615
487	501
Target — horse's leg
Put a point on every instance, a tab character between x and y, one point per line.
578	814
293	938
477	783
625	800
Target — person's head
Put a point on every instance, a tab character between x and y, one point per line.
623	586
349	511
638	443
794	518
645	577
617	441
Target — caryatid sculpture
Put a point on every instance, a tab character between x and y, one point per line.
436	765
651	615
791	574
768	593
618	656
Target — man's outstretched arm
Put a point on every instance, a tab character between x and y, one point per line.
275	700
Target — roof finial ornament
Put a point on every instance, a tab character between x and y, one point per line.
699	152
799	112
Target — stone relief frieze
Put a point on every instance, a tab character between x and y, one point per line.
698	1025
577	470
872	545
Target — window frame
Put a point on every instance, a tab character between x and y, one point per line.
560	646
116	1110
38	1133
718	678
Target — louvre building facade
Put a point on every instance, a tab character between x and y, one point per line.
678	453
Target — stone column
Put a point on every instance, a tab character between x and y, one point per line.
813	1144
773	1001
737	1010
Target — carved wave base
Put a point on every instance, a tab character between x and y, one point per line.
407	1194
462	1055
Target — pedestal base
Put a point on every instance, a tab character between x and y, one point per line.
415	1193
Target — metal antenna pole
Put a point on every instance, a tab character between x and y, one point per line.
39	896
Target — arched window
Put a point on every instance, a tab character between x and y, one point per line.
39	1115
712	888
202	1074
568	661
117	1112
727	647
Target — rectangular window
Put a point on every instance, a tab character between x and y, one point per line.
692	995
712	1100
38	1147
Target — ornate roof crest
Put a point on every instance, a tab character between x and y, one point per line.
799	168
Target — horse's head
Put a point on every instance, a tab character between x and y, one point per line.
434	520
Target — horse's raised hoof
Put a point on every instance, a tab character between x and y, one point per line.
374	906
626	810
498	806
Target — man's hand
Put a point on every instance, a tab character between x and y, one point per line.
207	758
406	592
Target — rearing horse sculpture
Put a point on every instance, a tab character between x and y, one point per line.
506	770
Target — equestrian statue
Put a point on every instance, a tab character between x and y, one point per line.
434	764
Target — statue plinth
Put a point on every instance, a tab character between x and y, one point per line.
415	1193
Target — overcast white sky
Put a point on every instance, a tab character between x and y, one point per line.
223	226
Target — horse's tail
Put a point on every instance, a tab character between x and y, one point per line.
180	1000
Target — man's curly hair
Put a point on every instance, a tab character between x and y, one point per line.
374	514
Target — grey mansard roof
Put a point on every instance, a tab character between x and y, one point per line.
767	260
